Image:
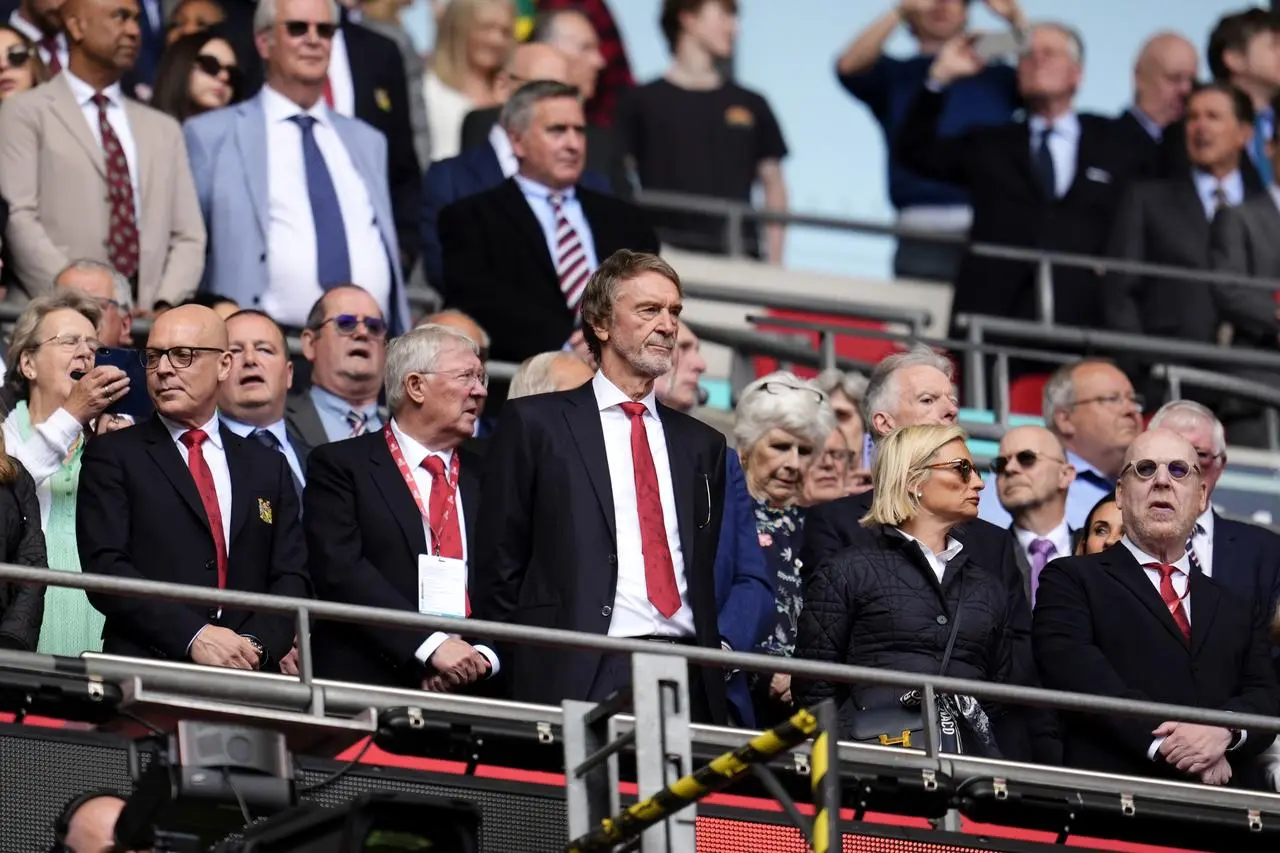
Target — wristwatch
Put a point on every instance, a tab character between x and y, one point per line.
257	647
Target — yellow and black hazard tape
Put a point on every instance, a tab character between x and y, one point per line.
717	774
817	775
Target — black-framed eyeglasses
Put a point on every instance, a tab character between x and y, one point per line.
213	66
179	357
1026	460
71	343
346	324
783	388
1145	469
1112	401
464	376
1205	458
18	55
298	29
963	467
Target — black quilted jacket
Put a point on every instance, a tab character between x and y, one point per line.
21	542
880	605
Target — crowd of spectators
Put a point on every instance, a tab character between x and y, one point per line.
273	188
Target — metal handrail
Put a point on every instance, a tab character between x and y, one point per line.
305	609
916	319
759	344
1266	396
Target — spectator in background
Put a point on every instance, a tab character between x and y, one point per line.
888	85
845	391
547	372
679	389
1138	622
780	424
694	132
383	18
99	280
55	336
1092	408
473	40
829	472
22	68
346	343
1102	528
1244	52
40	22
1163	76
223	306
1167	222
192	16
1048	182
615	80
1032	480
22	544
273	246
133	206
461	322
197	73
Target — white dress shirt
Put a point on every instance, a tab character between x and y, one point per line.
507	160
280	431
43	453
447	109
1060	536
633	614
215	456
414	455
1202	542
119	121
1232	186
32	32
293	282
938	562
539	200
1064	142
341	85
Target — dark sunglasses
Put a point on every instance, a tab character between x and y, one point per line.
17	56
213	67
298	29
346	324
1026	460
963	467
1145	469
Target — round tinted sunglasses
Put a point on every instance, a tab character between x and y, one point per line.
1145	469
212	66
1026	460
346	324
17	56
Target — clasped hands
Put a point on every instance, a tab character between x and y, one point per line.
1196	750
456	663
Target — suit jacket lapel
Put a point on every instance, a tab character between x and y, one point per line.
1086	155
523	218
1205	596
1024	564
390	482
71	115
165	453
242	497
1020	156
583	417
682	467
138	125
482	163
251	142
1134	578
1191	208
469	468
301	414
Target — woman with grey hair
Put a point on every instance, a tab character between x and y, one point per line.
846	390
780	426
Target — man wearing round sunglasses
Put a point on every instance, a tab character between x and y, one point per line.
1136	622
1032	478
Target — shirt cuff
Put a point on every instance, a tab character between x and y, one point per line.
428	648
1238	740
1153	752
61	429
492	657
193	639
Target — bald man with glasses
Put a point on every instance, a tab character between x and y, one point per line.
1032	478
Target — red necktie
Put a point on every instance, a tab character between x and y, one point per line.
659	571
443	515
328	93
122	233
49	44
1171	598
200	472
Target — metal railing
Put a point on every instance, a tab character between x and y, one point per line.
915	319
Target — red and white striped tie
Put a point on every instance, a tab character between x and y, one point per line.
571	257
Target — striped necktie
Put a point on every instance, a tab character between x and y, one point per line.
358	421
570	256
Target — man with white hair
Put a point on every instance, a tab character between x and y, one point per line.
114	295
1244	558
390	520
916	387
547	372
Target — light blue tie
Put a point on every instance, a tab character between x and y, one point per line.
333	262
1263	126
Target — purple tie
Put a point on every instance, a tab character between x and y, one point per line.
1041	550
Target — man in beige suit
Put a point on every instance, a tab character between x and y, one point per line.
88	174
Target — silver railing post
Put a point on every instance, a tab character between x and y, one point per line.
1000	380
306	661
734	244
664	750
975	370
1272	421
591	773
1044	292
826	350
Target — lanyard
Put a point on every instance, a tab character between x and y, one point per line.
451	480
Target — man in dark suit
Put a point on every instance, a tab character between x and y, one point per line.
1243	558
180	498
1162	78
395	510
1137	622
907	389
1032	478
601	508
1049	182
517	257
1167	222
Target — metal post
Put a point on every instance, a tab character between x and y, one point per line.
1273	428
975	369
1044	292
305	665
929	717
733	234
592	796
664	750
1175	385
1001	391
826	350
824	778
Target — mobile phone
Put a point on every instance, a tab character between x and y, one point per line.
990	46
135	403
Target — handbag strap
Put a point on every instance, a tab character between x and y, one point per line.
955	629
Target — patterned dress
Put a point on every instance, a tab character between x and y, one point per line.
781	532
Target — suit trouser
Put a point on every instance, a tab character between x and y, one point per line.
614	674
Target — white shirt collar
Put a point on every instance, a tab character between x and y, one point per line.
954	546
415	452
1232	185
529	186
279	108
501	143
609	395
1206	522
1182	563
1065	127
210	428
84	93
1060	536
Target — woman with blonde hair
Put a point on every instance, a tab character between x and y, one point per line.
910	597
473	40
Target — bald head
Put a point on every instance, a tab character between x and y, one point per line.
537	62
189	346
93	826
547	372
1163	76
1160	510
202	325
463	322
